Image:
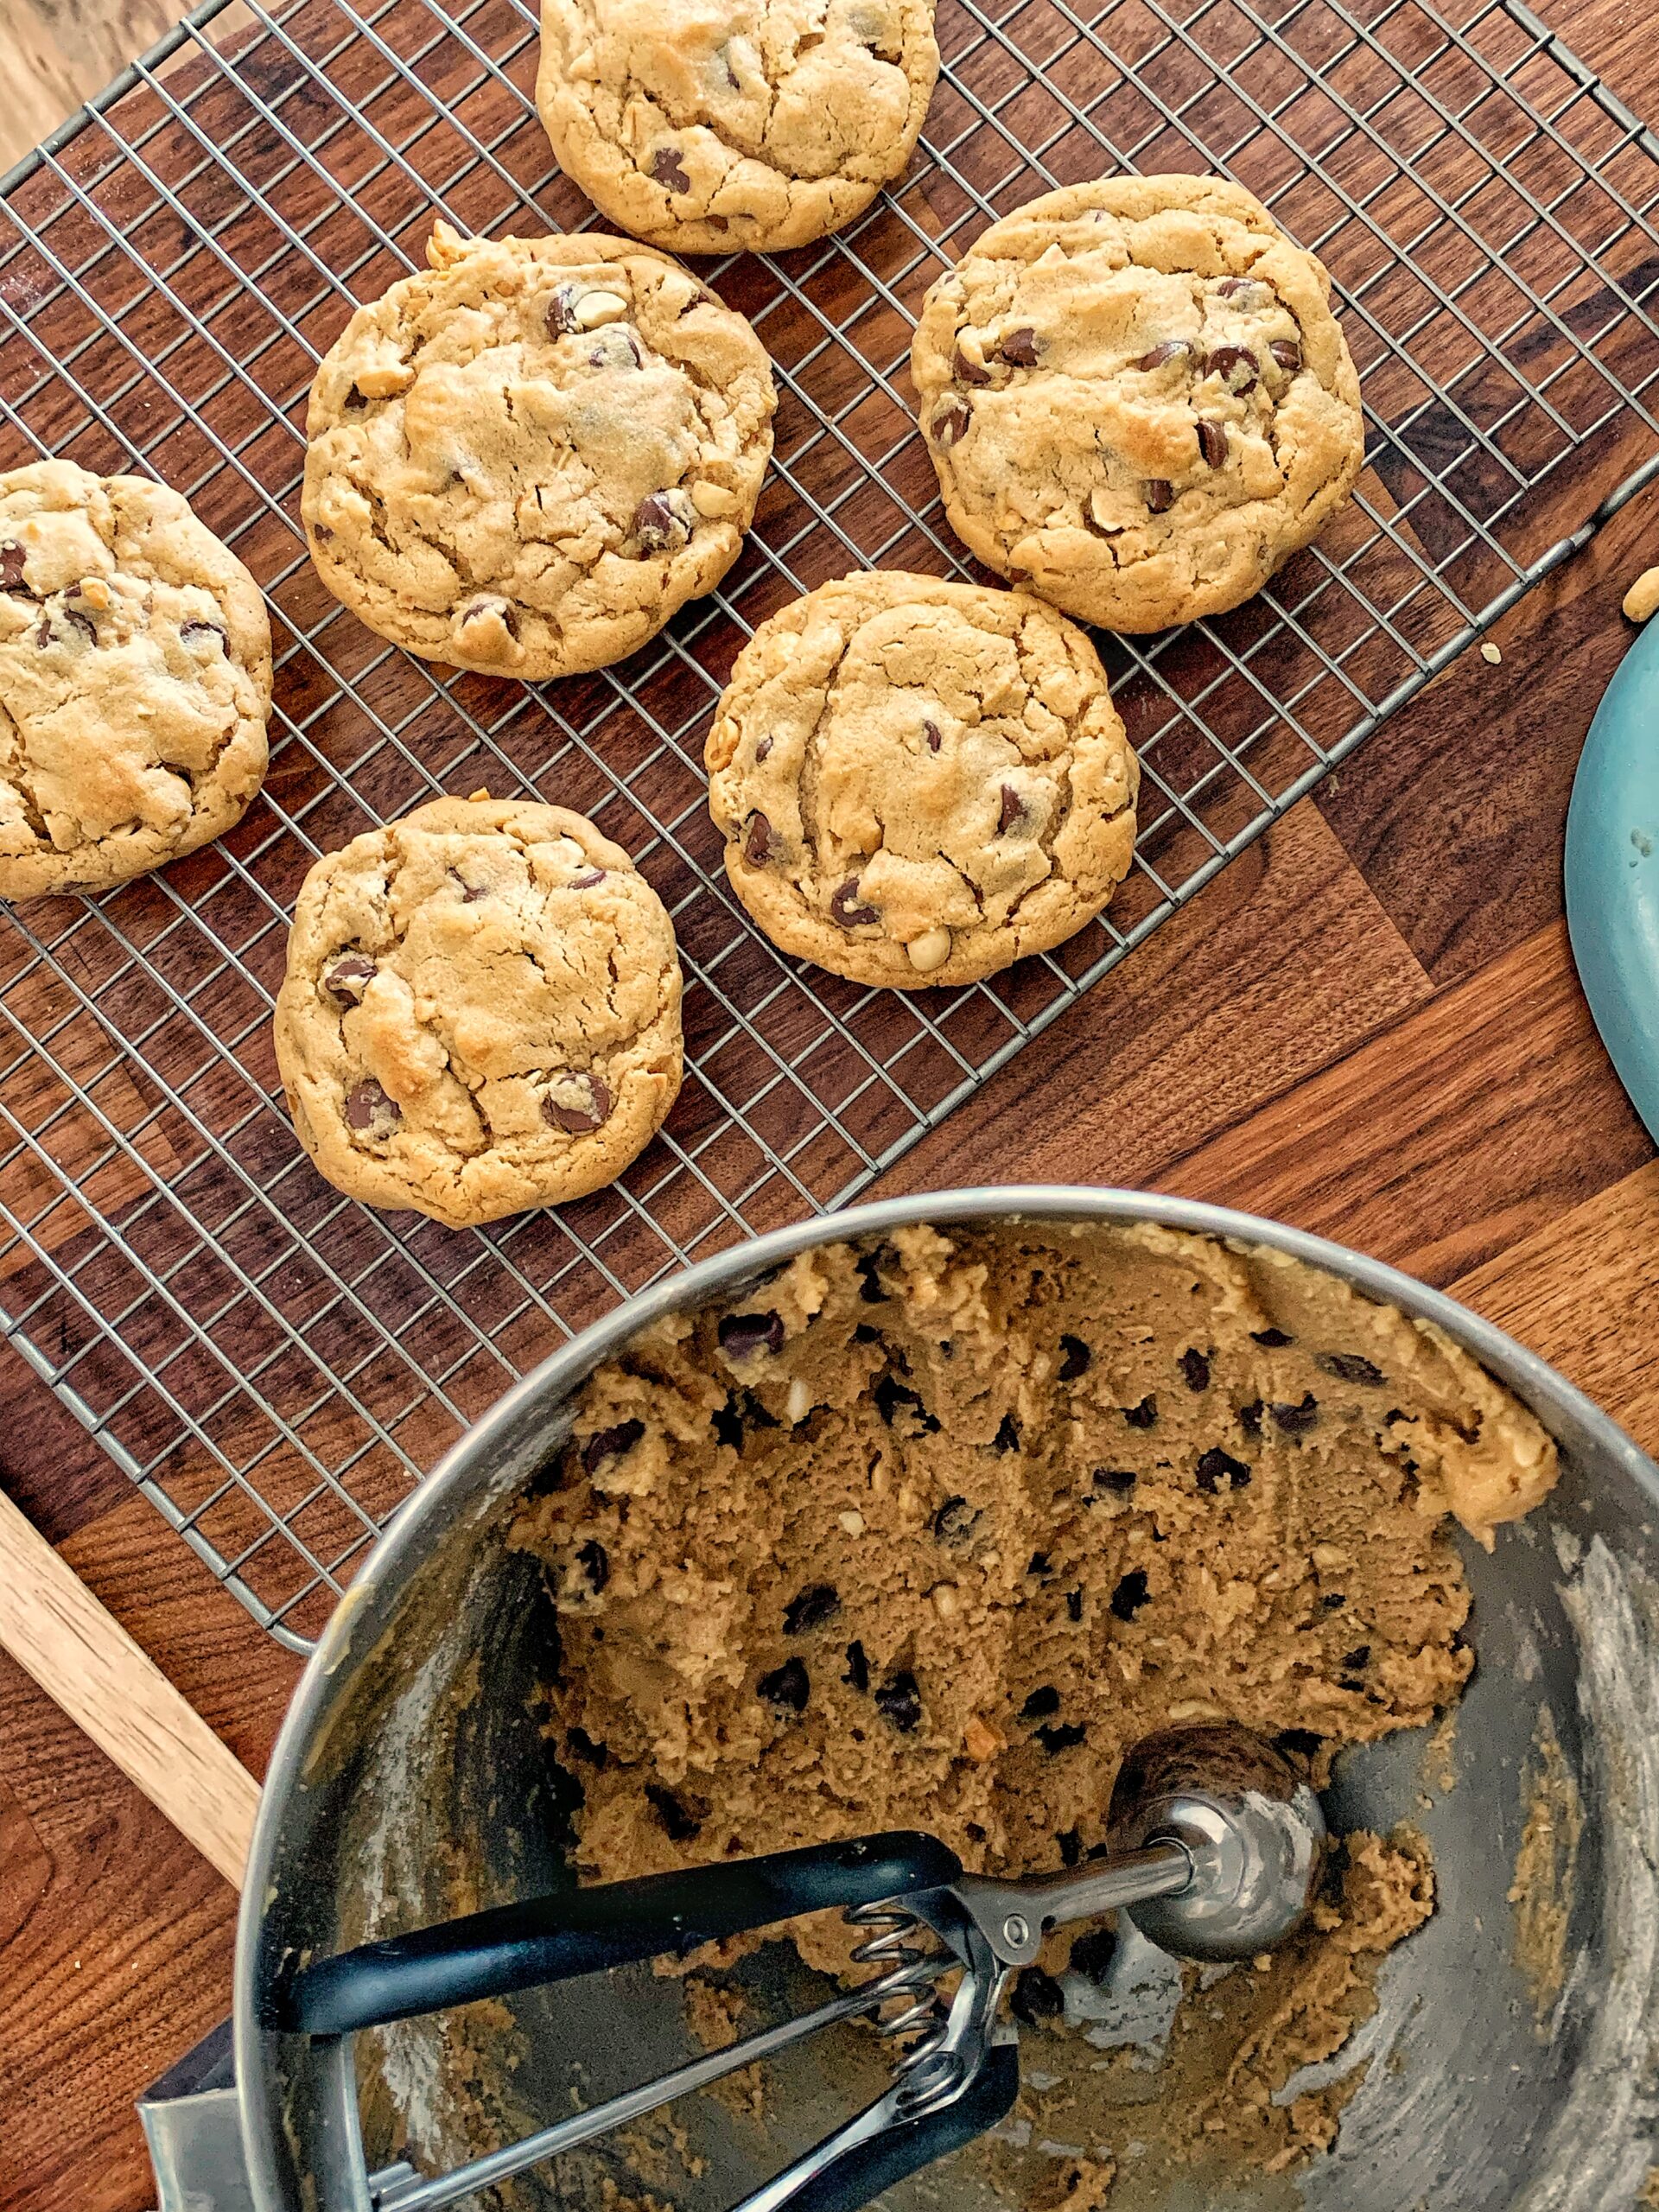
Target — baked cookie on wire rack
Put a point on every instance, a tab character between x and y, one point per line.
705	127
135	680
1137	398
480	1012
920	782
525	458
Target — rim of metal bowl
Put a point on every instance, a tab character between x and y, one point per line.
361	1612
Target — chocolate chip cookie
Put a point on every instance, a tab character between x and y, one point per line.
525	460
920	782
1137	398
135	680
762	123
481	1011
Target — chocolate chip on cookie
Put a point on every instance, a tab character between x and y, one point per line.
348	979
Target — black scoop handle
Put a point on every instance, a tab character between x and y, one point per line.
584	1931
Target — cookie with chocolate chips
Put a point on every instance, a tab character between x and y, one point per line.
920	782
135	680
1137	398
480	1014
756	124
525	458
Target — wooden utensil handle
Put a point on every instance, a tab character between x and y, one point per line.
86	1662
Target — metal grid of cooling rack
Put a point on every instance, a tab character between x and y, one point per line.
274	1365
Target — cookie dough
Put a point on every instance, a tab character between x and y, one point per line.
757	123
481	1011
920	782
926	1533
1137	398
524	461
135	680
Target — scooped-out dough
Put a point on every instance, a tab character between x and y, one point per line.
926	1532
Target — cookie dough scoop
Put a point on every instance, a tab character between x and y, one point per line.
1215	1852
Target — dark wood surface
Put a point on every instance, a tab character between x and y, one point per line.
1370	1026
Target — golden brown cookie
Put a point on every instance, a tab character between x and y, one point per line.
135	680
920	782
761	124
1137	398
526	459
481	1011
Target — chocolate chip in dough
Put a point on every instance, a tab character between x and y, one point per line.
1348	1367
950	420
1212	441
1041	1703
1288	354
1007	1434
1130	1594
1065	1738
1113	1482
955	1522
1145	1414
1159	494
901	1702
742	1335
682	1824
1092	1955
1037	1997
1078	1358
1018	349
668	168
1217	1466
757	840
596	1563
1274	1339
611	1444
1296	1420
1195	1366
810	1608
1166	350
196	627
966	370
1010	807
786	1687
12	557
857	1676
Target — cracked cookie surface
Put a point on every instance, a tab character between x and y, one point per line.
480	1012
525	458
760	124
925	1532
920	782
135	680
1137	398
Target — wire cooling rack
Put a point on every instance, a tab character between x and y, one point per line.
275	1366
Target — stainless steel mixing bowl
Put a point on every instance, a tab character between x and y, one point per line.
412	1761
